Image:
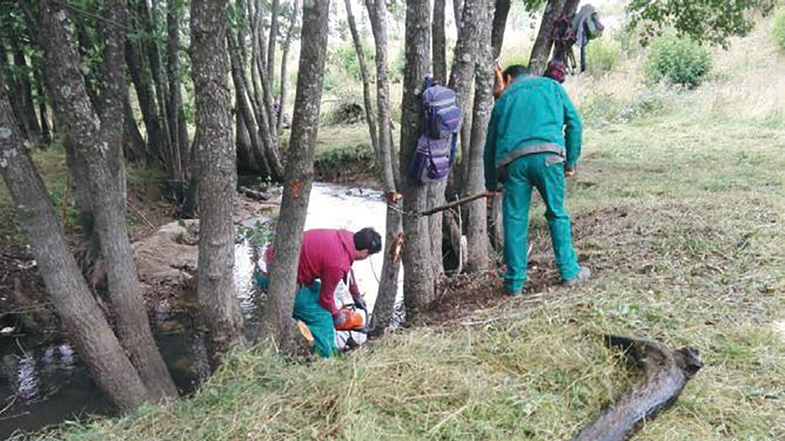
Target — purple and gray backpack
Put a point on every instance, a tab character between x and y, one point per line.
441	123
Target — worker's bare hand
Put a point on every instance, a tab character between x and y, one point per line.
490	194
569	172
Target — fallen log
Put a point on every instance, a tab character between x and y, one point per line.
665	373
254	194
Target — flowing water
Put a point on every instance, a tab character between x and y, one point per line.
43	382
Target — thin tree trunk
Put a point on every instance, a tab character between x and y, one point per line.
284	65
46	131
457	9
101	147
16	105
143	84
25	92
178	133
132	138
477	225
439	43
499	26
275	7
218	177
277	325
243	108
418	272
544	42
370	117
80	315
245	158
388	285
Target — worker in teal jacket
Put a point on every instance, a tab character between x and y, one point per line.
534	140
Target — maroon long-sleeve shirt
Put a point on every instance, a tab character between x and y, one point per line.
326	255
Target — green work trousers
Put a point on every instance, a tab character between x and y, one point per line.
521	175
308	309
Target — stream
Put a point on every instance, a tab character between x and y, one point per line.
43	381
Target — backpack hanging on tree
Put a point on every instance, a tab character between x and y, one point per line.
441	122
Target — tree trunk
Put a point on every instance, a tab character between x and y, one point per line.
457	9
143	84
461	78
82	319
276	325
274	10
101	147
178	132
436	197
439	43
16	104
284	65
370	117
132	138
544	42
243	108
25	92
499	26
242	140
384	306
46	131
477	224
218	178
418	282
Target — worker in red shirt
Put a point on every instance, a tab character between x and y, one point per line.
326	258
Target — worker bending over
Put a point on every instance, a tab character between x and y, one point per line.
534	140
326	258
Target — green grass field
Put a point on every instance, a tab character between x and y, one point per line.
680	214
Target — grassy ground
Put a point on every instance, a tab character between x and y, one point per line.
679	212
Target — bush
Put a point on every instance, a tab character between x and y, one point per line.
778	29
678	60
602	56
604	109
346	57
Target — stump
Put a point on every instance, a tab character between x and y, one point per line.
665	373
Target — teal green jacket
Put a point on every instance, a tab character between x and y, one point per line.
533	115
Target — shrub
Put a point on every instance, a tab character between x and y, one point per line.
678	60
603	109
778	29
602	56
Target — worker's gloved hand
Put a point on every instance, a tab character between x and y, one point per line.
339	319
359	302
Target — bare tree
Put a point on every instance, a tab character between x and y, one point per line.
499	25
477	229
276	325
98	139
417	255
388	285
544	42
81	317
217	177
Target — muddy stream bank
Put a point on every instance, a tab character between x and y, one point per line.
42	379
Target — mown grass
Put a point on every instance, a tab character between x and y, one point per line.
680	215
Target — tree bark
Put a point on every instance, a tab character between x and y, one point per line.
477	224
82	319
16	105
25	93
217	180
499	26
457	9
46	131
100	146
384	306
665	374
242	140
132	138
370	117
243	109
544	42
284	66
276	325
275	7
439	43
418	282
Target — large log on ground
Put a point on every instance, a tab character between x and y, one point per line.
665	373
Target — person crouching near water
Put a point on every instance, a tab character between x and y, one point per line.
326	258
534	140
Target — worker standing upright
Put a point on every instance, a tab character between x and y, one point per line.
534	140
